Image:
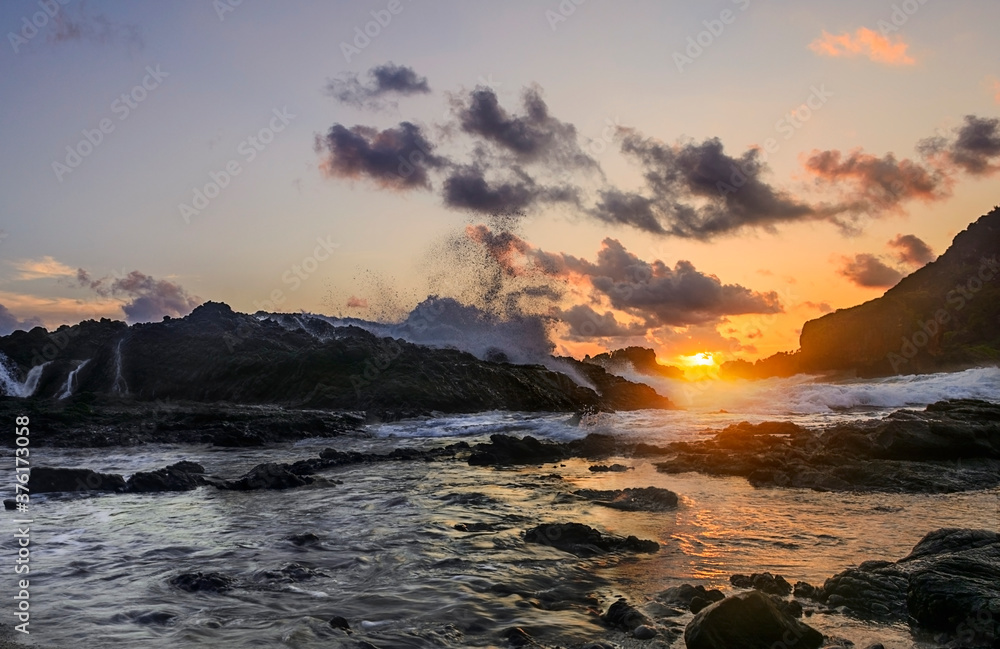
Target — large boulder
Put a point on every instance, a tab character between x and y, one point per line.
584	541
749	620
267	476
648	499
506	449
182	476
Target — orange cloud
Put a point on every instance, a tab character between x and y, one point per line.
866	42
996	90
42	268
54	311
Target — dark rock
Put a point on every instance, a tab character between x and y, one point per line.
9	504
614	468
806	590
157	618
202	582
874	590
954	584
293	573
183	476
583	541
649	499
622	615
338	622
56	480
764	582
906	451
690	597
749	621
644	632
478	527
506	449
307	538
518	637
267	476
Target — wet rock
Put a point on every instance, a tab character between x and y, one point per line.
584	541
644	632
58	480
749	621
764	582
690	597
183	476
518	637
158	618
614	468
9	504
339	622
622	615
874	590
478	527
954	583
506	449
649	499
907	451
293	573
202	582
806	590
304	539
267	476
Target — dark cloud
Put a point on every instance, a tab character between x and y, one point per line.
383	81
875	184
396	158
148	299
531	137
974	147
869	271
9	322
696	190
911	250
79	25
468	188
585	322
654	292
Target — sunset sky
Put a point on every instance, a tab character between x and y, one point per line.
694	177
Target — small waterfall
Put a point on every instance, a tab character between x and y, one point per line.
11	386
68	388
120	386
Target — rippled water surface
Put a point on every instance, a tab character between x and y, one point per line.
389	559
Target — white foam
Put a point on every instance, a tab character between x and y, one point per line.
14	388
68	387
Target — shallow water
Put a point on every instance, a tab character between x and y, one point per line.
390	561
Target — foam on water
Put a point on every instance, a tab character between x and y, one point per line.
12	387
804	394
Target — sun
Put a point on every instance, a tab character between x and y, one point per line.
704	359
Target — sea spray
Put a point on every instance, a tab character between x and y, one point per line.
806	394
67	390
11	386
120	386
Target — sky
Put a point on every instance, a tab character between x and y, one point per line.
692	177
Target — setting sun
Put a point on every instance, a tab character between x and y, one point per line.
704	359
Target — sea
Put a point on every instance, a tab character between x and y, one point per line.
386	556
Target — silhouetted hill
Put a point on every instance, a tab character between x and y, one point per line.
217	355
641	359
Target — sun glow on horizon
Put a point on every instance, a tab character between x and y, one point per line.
704	359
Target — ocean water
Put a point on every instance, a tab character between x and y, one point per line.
388	556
